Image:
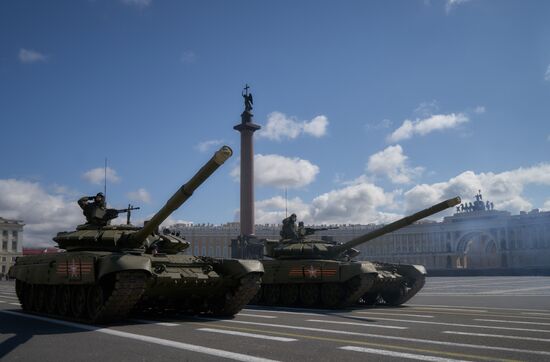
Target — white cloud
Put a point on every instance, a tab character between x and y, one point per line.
426	109
392	163
42	213
505	189
424	126
137	3
139	195
188	57
208	145
29	56
280	127
546	205
547	74
352	204
97	175
272	211
479	110
279	171
451	4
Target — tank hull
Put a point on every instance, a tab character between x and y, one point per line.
101	287
315	283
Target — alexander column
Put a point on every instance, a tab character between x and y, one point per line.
247	127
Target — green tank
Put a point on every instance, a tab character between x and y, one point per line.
107	271
315	273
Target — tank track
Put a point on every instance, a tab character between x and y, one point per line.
118	299
236	299
393	291
357	287
352	290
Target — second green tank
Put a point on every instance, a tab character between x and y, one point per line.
306	272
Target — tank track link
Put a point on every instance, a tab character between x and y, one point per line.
235	300
357	287
117	299
128	289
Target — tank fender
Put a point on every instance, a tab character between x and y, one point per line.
351	270
114	263
237	267
406	270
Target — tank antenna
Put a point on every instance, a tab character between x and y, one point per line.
105	181
286	204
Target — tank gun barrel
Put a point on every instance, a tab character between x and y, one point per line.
407	220
183	193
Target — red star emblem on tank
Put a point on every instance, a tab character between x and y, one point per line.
73	269
312	271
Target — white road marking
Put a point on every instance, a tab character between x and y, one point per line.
397	314
395	338
281	311
383	352
541	314
443	307
355	324
1	301
15	303
515	322
257	315
514	290
157	323
163	342
498	336
454	309
5	296
459	325
251	335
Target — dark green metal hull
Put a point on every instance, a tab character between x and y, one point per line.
106	286
316	283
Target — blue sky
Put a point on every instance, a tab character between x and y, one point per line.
369	109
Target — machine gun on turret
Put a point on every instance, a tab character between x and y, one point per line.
303	232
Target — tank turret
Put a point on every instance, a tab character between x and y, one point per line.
318	249
115	237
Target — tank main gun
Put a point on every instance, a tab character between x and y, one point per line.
319	249
401	223
115	237
181	195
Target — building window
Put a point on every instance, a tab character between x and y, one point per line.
3	269
14	235
5	245
14	245
3	258
5	235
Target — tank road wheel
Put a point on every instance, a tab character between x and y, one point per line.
51	299
395	296
370	298
309	294
96	300
78	301
19	288
272	294
64	300
40	298
289	294
28	297
331	294
257	297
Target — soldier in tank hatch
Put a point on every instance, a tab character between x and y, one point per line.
96	212
289	230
